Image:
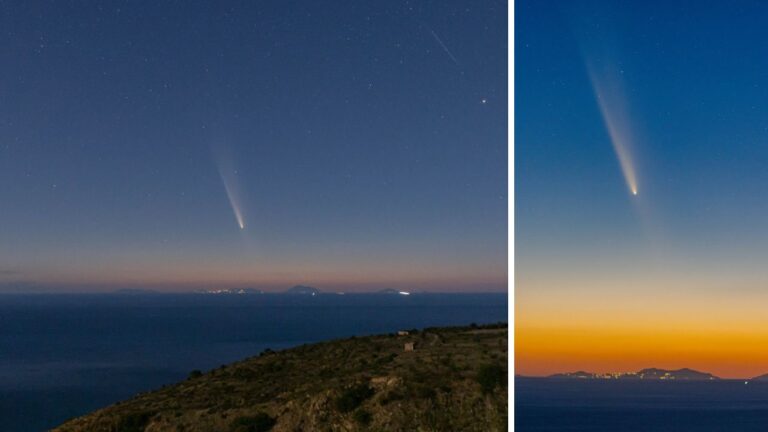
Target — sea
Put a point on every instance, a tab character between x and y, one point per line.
633	406
65	355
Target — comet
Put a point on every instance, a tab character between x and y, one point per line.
228	175
233	201
607	85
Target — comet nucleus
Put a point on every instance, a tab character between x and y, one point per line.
608	89
229	177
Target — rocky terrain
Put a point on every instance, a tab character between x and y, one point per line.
454	379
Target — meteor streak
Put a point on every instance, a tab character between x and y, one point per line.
607	87
445	48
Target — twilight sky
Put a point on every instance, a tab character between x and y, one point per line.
675	276
362	145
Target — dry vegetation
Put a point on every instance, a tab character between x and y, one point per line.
455	380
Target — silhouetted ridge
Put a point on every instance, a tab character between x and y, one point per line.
684	374
303	289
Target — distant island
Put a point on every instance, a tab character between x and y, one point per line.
233	291
684	374
296	289
388	291
302	290
392	291
436	379
135	291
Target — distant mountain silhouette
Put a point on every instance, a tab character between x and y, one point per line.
684	374
763	377
579	374
249	291
388	291
680	374
302	289
134	291
231	291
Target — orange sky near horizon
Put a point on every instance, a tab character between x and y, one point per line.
713	332
544	351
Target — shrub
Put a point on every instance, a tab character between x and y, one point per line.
261	422
195	374
353	397
491	376
363	417
424	392
392	396
134	422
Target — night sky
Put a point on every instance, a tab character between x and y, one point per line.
674	276
363	144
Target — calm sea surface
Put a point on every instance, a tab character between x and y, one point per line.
613	406
65	355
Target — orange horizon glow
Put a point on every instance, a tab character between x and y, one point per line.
729	354
725	336
596	313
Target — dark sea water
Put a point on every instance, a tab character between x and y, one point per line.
616	406
64	355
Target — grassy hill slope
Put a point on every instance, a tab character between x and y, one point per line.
454	380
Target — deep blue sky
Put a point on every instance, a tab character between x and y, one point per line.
367	139
694	80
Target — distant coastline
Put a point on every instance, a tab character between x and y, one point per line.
244	290
648	374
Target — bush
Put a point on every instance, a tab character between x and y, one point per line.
363	417
491	376
134	422
195	374
261	422
392	396
353	397
425	392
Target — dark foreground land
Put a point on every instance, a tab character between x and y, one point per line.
584	405
454	380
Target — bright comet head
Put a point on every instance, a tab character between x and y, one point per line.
607	84
228	175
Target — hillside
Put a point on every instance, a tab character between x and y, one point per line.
454	380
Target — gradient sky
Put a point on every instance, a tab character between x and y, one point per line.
364	145
675	276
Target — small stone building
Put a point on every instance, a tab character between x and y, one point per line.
402	333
